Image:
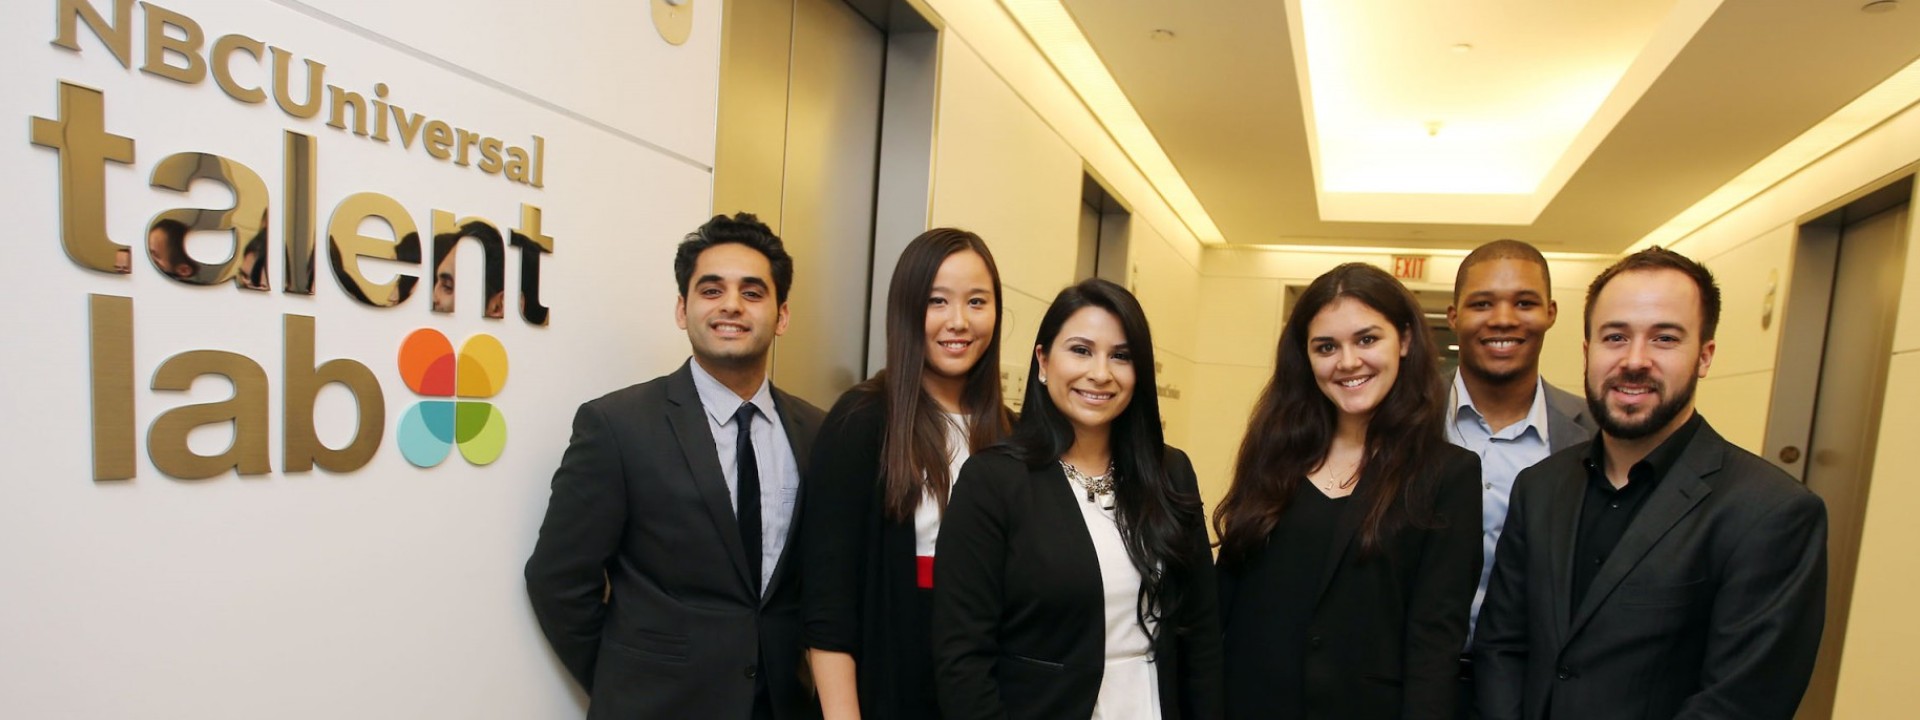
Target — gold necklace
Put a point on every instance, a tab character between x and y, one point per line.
1098	487
1353	473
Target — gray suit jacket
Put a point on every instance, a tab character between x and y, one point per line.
640	503
1711	606
1568	423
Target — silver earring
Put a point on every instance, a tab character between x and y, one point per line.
1043	379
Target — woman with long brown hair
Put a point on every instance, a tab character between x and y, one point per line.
881	471
1350	538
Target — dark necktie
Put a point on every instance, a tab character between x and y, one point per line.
747	501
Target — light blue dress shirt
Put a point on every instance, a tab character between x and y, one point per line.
779	478
1503	455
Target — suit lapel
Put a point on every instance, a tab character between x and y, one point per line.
1563	424
1675	496
796	428
1057	502
1563	523
688	419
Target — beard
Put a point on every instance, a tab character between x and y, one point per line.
1658	418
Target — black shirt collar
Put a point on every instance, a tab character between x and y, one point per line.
1650	469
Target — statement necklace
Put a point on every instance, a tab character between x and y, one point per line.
1098	487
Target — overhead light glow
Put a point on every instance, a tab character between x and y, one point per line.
1052	29
1892	95
1400	109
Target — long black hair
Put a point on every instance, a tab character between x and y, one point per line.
913	451
1148	508
1294	422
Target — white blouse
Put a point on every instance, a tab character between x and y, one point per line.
1130	686
926	515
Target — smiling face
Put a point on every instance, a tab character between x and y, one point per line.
1645	353
730	310
1088	371
959	324
1356	354
1501	316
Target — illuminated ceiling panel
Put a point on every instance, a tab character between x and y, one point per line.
1470	112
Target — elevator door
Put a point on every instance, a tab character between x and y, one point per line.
1846	417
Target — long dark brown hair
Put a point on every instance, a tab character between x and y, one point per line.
1147	506
1294	422
913	453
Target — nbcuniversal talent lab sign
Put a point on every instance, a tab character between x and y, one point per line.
452	386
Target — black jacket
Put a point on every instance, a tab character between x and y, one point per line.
862	595
1387	630
640	502
1019	613
1710	606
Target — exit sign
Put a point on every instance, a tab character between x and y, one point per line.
1410	267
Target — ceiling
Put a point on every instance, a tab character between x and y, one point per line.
1685	114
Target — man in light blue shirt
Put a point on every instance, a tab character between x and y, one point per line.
1499	407
779	479
661	577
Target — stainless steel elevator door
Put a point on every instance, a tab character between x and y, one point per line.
1846	417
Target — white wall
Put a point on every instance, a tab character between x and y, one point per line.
393	591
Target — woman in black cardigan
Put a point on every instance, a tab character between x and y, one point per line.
879	479
1074	579
1350	538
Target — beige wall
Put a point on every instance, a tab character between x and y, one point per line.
1001	171
1743	248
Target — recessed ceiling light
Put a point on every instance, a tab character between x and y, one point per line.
1881	6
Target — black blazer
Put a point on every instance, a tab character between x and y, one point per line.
862	595
1387	630
1711	606
639	502
1019	614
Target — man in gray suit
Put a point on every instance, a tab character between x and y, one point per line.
1499	407
661	576
1657	571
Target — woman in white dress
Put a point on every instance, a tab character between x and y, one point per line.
1074	578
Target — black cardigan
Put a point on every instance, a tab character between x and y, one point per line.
1019	612
1387	631
860	592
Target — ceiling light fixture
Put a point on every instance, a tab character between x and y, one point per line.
1052	29
1518	125
1892	95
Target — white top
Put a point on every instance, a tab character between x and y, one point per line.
926	515
1130	686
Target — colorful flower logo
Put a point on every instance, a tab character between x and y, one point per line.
431	428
